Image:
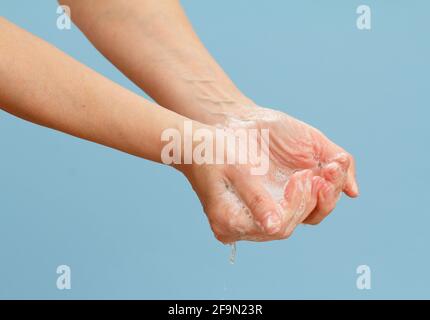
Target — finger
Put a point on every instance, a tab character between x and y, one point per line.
223	224
333	152
317	183
351	187
335	174
301	197
293	197
327	198
260	203
228	217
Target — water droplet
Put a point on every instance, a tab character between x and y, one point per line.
233	252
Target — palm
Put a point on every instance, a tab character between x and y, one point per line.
306	174
296	148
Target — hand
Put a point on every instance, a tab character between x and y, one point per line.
306	174
295	149
237	204
235	199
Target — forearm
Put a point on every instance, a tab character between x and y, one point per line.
43	85
153	43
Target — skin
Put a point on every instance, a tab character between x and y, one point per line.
153	43
41	84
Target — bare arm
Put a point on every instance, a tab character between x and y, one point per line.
154	44
41	84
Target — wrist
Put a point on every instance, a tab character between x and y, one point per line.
178	144
212	97
220	108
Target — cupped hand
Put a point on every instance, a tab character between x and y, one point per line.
306	175
295	148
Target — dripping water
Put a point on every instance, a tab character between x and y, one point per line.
232	252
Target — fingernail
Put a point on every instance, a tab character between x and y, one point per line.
272	224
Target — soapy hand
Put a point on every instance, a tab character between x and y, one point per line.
306	175
296	148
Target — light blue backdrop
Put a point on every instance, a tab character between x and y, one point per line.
132	229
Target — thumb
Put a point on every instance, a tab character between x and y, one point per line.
260	203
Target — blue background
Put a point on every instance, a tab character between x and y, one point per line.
131	229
